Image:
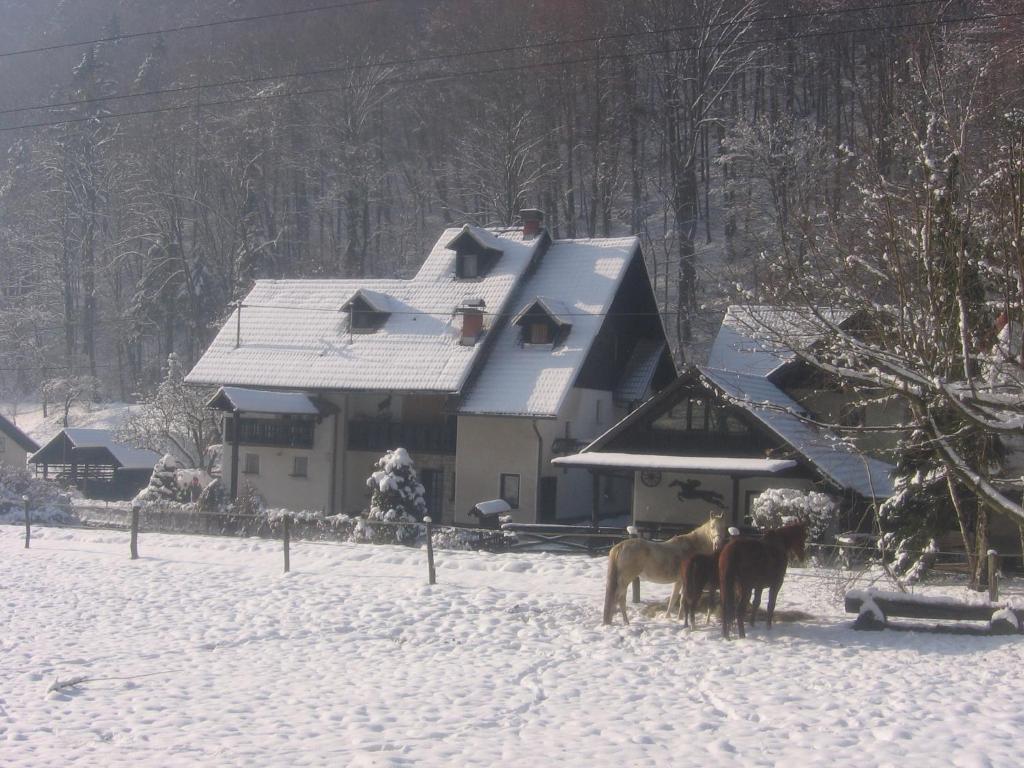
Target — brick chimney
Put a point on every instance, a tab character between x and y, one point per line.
532	221
472	313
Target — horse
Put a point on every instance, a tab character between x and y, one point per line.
697	572
659	562
747	565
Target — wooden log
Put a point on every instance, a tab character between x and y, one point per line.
907	607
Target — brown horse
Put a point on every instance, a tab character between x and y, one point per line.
747	565
698	572
659	562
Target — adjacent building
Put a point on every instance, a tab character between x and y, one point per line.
15	445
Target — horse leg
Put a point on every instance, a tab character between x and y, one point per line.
676	595
711	604
755	605
773	593
741	609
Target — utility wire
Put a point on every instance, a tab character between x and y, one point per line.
191	27
456	55
440	77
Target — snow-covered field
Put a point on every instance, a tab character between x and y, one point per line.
204	653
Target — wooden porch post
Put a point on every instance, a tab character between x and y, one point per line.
735	500
595	506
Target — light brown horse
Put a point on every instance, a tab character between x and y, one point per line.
660	562
750	565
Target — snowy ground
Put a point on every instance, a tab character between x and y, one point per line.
203	653
29	417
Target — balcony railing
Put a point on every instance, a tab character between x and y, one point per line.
373	435
286	433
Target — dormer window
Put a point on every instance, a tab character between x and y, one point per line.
543	322
467	265
476	252
368	311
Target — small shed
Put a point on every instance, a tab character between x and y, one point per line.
93	462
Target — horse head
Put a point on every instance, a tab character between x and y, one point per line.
717	530
797	540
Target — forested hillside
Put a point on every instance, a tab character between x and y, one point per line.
148	179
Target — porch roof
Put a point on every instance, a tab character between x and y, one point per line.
263	401
722	465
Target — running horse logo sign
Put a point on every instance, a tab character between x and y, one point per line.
688	491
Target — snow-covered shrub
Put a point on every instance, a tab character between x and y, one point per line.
468	540
46	502
163	483
396	497
775	507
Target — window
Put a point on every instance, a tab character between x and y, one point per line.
540	333
300	466
252	464
467	265
510	490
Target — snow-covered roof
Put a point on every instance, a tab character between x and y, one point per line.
293	335
533	380
714	464
781	414
757	340
264	401
22	440
126	456
493	507
553	308
481	236
376	300
640	369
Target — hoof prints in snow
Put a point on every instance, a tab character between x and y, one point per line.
203	654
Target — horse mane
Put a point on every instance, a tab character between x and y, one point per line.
790	535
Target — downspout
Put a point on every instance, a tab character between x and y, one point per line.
540	463
334	465
332	492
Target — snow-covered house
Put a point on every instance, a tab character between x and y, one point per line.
723	433
95	463
15	445
506	349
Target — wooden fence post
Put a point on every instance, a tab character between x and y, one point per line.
135	532
287	543
28	521
634	534
431	573
993	576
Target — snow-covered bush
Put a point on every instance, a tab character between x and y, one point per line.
46	502
775	507
468	540
396	497
163	483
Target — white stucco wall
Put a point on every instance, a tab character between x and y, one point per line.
275	483
11	454
661	504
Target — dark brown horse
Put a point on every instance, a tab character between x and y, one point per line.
750	565
698	573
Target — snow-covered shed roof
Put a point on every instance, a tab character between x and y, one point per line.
757	340
11	431
480	236
728	465
375	300
534	380
263	401
845	467
294	336
82	438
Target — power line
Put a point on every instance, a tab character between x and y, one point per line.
192	27
428	78
456	55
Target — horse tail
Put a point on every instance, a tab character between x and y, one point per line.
611	589
726	586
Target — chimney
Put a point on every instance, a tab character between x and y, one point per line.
532	220
472	312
